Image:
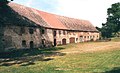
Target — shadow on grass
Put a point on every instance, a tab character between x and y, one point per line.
114	70
26	57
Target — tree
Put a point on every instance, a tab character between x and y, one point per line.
113	21
4	2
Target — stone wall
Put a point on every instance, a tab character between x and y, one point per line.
76	36
19	37
15	35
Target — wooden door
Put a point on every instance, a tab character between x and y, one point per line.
72	40
63	41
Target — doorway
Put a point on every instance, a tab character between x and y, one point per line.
64	41
55	42
31	44
72	40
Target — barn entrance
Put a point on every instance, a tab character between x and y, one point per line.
72	40
31	44
55	42
64	41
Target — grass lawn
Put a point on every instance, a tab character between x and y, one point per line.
90	57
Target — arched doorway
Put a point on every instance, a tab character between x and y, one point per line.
64	41
72	40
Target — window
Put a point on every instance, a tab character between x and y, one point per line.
43	42
3	40
31	31
59	32
22	30
81	36
76	39
24	43
68	32
43	31
54	32
84	36
97	36
63	32
88	37
31	44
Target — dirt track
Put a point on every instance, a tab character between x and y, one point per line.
92	47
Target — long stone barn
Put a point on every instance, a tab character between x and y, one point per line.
24	27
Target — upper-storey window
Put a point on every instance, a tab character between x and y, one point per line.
63	32
31	31
59	32
43	31
22	30
68	32
54	32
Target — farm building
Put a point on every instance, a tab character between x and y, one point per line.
24	27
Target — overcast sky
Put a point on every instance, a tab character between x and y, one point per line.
93	10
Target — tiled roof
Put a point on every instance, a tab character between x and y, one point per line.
51	20
29	13
76	24
25	15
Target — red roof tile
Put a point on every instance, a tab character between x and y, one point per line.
76	24
49	20
28	13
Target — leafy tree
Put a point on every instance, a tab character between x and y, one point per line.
113	21
4	2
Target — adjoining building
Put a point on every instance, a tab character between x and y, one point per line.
24	27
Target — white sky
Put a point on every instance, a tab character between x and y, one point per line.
93	10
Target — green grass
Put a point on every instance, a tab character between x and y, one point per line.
72	63
117	39
97	62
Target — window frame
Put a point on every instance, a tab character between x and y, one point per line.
31	30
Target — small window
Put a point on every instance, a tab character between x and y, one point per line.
54	32
22	30
97	36
3	40
43	42
84	36
76	39
81	36
88	37
24	43
43	31
59	32
68	32
31	31
63	32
